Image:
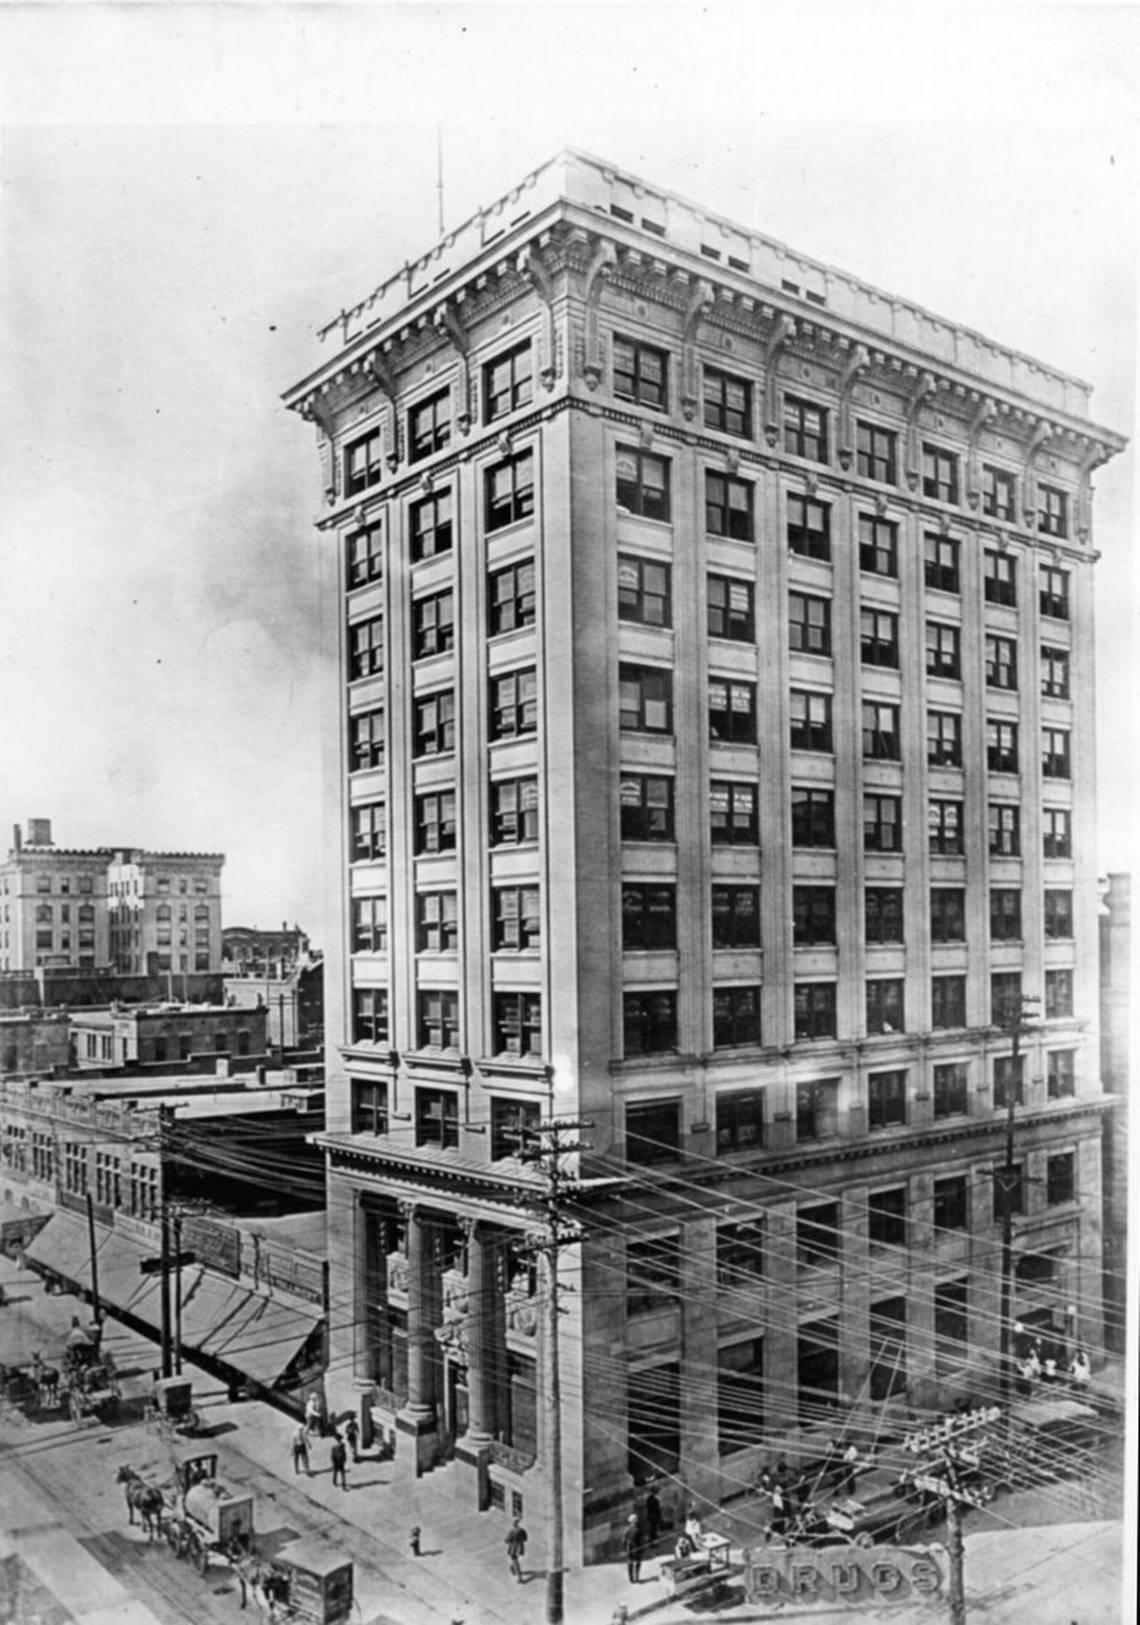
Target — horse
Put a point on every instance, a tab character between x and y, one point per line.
46	1378
143	1498
268	1582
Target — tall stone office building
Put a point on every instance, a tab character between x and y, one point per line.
710	717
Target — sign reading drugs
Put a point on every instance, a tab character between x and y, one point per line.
847	1576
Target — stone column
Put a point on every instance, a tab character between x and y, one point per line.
418	1418
484	1338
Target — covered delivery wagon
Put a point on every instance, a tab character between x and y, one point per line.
224	1518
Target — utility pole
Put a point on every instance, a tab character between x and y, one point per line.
96	1310
559	1230
177	1292
941	1477
164	1113
1014	1025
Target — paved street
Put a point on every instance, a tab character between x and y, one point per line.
66	1536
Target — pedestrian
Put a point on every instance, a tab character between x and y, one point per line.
1080	1370
631	1547
352	1437
338	1455
850	1465
414	1540
779	1519
653	1516
693	1527
301	1451
313	1414
515	1543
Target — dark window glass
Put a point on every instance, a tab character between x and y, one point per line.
736	1017
514	1126
740	1127
435	822
809	623
728	507
809	527
878	546
640	373
1054	673
736	917
732	813
653	1267
1054	585
951	1090
437	922
1005	914
514	704
939	474
1001	662
433	624
882	823
438	1019
1058	994
885	1013
645	699
732	711
362	463
818	1236
944	827
648	917
948	914
366	740
947	1002
650	1022
437	1118
509	491
644	591
883	914
429	426
881	738
887	1377
431	526
813	817
813	914
878	637
1001	746
1052	511
1057	829
1005	996
365	556
817	1109
739	1395
642	483
999	578
1009	1078
508	382
1060	1179
369	925
369	1015
810	716
646	808
944	739
951	1326
997	493
886	1210
876	453
511	598
517	1021
1058	913
814	1009
941	562
653	1131
730	609
805	429
516	923
1005	829
433	724
1061	1073
514	811
951	1203
369	1106
943	649
1055	762
727	403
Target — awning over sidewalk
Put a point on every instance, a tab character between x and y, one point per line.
256	1335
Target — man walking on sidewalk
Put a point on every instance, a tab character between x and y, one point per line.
301	1451
516	1546
631	1547
339	1458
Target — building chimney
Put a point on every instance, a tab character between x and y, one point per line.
39	832
17	840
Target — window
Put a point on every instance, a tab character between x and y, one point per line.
1054	585
878	546
437	922
437	1118
997	493
648	917
943	650
951	1084
653	1267
886	1210
1001	662
727	403
640	374
433	624
516	919
508	491
438	1023
876	453
642	483
805	429
514	1126
369	925
947	1002
1061	1073
940	554
1054	673
649	1023
1057	828
814	1009
362	464
517	1020
514	811
736	1017
514	704
817	1109
817	1369
885	1006
939	474
883	914
736	917
43	883
1058	913
740	1127
644	592
999	578
508	382
887	1377
433	724
1052	511
366	740
369	1015
732	711
429	426
1009	1078
728	507
653	1131
1005	829
878	637
813	817
1055	753
431	526
809	527
943	739
730	609
1005	914
1058	994
813	915
809	624
881	731
365	552
646	808
882	824
435	822
645	699
369	1106
1005	997
950	1203
818	1237
1060	1179
739	1395
810	715
733	814
886	1098
1001	746
944	826
948	914
951	1325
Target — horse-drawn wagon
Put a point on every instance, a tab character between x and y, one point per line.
170	1408
198	1516
89	1388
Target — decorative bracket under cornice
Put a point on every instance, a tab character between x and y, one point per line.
1093	458
924	385
377	369
782	332
701	296
986	409
1042	433
448	325
313	412
858	361
599	271
531	267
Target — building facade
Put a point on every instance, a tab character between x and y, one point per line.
710	763
1116	1004
249	951
53	903
165	912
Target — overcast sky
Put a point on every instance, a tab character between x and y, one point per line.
188	191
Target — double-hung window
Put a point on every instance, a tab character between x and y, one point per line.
510	598
514	811
879	637
369	925
1057	832
366	740
731	613
438	1011
433	624
809	624
431	526
805	429
644	591
999	578
945	827
886	1099
1055	757
514	704
736	1018
434	724
1001	746
809	527
369	831
733	813
727	403
882	823
810	720
885	1012
939	474
437	922
736	917
1054	592
1005	914
435	821
1054	673
645	699
883	914
1001	662
365	556
947	1002
365	648
940	560
813	816
948	914
509	491
363	466
642	483
1052	511
813	915
646	807
728	507
516	921
649	1023
641	373
878	546
997	493
876	453
429	426
944	739
648	917
1005	829
814	1009
1058	913
943	649
517	1022
732	711
508	382
881	737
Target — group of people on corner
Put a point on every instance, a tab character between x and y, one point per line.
1040	1364
643	1529
344	1438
